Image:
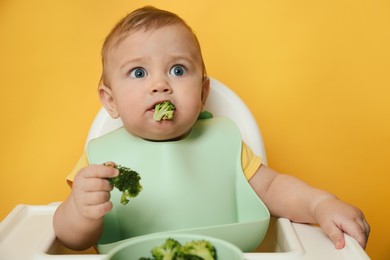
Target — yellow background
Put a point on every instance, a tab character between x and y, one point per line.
314	73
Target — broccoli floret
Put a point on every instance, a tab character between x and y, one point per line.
164	111
166	251
198	249
173	250
128	182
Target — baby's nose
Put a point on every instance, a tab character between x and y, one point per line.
162	87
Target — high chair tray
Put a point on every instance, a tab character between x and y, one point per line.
27	233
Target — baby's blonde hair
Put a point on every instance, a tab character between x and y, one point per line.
145	18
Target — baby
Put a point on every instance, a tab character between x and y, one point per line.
149	57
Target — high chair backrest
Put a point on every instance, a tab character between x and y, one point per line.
222	101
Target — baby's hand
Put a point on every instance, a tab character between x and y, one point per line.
91	190
337	217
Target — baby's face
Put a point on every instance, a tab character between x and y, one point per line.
150	67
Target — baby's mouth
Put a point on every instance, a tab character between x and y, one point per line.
163	111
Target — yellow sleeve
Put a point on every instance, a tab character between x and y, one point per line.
250	161
83	162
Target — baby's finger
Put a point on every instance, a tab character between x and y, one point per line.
97	211
110	164
367	228
359	232
100	171
97	184
96	198
338	240
335	234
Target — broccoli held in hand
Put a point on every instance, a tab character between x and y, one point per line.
128	182
164	111
193	250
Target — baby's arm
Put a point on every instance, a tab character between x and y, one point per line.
289	197
78	221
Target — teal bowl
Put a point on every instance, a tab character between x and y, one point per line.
140	247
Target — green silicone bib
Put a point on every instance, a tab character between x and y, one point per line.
195	185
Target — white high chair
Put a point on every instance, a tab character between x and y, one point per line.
27	232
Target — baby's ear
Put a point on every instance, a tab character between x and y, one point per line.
107	100
205	90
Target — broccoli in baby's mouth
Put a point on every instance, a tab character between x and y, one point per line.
164	111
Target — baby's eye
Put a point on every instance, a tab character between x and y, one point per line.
177	70
138	73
